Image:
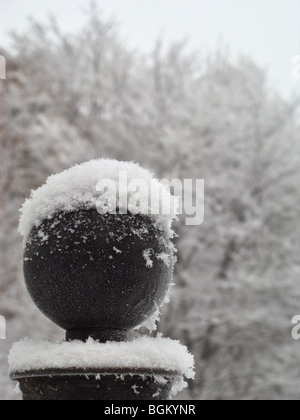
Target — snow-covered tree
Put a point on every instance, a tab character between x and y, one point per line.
70	98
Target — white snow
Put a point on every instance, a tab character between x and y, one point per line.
78	187
43	236
147	257
141	353
136	389
165	258
17	389
117	251
151	323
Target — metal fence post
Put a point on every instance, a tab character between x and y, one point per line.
87	273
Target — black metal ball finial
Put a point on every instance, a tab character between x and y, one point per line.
87	272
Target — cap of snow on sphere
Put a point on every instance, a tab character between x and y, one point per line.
108	185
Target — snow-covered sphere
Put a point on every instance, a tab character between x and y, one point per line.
89	269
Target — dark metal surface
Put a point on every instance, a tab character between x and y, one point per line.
97	334
93	386
87	271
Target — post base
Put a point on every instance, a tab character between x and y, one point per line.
61	385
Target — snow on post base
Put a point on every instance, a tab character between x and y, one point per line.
143	353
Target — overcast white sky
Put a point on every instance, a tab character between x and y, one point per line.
268	30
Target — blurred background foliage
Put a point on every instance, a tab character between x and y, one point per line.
71	98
